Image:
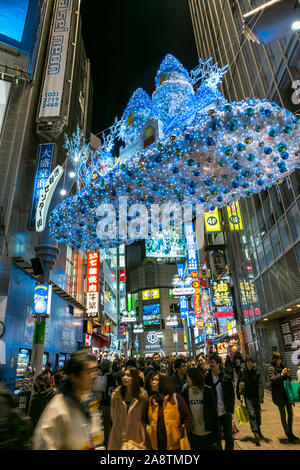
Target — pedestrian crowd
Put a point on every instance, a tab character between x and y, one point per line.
144	404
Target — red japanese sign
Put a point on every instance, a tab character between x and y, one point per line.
92	284
197	300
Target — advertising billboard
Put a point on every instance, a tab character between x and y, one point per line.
235	217
4	96
42	300
151	314
20	26
92	297
212	221
161	246
150	294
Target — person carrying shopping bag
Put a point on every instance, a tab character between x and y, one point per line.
250	387
278	374
168	415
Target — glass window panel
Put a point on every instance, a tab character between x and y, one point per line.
287	193
260	216
276	243
294	222
295	179
268	251
247	225
276	201
268	209
261	257
254	263
284	234
254	223
297	247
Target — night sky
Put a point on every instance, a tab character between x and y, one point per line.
126	40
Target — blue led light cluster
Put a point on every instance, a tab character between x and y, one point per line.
210	153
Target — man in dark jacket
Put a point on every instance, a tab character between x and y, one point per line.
156	365
233	362
250	386
106	384
179	376
223	391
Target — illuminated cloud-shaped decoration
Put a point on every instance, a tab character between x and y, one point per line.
174	93
211	156
135	116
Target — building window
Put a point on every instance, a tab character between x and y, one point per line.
261	257
268	209
268	251
260	216
254	223
284	234
294	222
295	179
287	193
276	202
275	243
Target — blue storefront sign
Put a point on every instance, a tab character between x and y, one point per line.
43	171
42	300
191	247
192	319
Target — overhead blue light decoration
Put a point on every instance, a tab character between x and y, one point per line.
187	145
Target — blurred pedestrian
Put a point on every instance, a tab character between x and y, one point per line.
278	374
222	388
66	423
128	413
43	394
179	376
298	377
59	375
205	432
250	387
117	370
168	415
106	384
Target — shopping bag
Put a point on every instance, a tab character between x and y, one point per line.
132	445
242	414
291	390
184	442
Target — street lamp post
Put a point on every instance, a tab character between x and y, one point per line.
173	322
129	318
137	329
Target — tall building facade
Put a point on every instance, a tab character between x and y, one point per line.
27	59
267	249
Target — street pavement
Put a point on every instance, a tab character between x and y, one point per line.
271	428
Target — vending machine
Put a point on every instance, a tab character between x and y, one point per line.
22	363
45	360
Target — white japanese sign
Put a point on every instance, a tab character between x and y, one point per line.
57	58
45	198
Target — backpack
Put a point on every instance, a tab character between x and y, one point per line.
15	427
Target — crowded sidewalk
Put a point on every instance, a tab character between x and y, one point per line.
271	428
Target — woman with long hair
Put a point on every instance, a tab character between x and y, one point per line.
278	374
43	394
168	415
205	432
128	413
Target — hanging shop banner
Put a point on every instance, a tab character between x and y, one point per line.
42	300
235	217
43	171
45	198
222	299
212	221
249	298
191	247
182	299
191	319
57	59
92	306
207	311
150	294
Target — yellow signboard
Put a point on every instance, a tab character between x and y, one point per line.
150	294
234	216
212	221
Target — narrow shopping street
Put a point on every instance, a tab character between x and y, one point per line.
271	428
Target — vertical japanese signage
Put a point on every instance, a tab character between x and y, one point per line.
222	299
191	247
197	302
45	198
234	216
207	310
92	285
57	58
43	171
182	300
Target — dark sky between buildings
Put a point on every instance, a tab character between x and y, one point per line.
126	40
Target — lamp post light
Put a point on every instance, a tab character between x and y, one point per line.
129	318
172	321
138	329
183	287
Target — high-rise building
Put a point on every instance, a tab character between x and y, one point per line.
267	249
34	118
